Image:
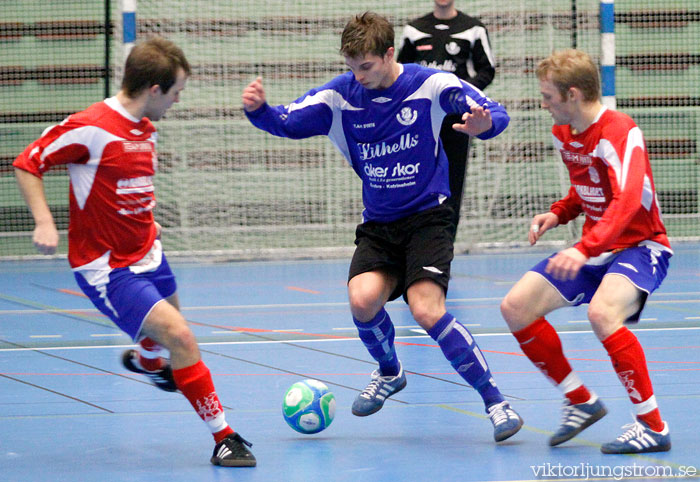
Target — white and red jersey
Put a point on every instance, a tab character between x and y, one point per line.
111	161
612	183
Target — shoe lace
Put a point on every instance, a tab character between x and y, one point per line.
371	389
566	412
633	430
235	444
499	413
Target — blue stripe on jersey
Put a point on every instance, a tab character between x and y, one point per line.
390	137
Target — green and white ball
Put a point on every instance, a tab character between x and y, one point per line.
308	406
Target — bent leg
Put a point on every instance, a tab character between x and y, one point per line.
426	299
368	293
166	325
616	301
524	308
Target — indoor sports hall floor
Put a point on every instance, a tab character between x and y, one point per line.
70	412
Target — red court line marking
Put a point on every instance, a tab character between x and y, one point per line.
646	348
72	292
303	290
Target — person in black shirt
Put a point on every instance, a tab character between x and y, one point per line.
449	40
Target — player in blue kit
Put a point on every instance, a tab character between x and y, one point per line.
385	119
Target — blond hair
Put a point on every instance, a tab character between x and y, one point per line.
571	68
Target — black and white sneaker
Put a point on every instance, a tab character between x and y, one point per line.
162	379
233	452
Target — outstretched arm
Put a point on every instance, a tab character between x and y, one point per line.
45	233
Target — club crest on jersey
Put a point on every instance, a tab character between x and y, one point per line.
595	177
407	116
452	48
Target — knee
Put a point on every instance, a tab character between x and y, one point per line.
604	321
426	315
183	337
512	309
363	305
178	337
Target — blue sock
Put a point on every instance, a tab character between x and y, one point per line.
461	351
378	337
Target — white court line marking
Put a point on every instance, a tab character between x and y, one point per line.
313	340
586	321
239	332
692	317
312	305
409	327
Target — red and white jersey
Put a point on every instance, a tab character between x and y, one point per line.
111	161
612	183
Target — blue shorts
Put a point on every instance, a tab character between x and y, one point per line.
127	298
644	266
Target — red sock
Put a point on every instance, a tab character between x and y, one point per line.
196	385
630	365
541	344
149	355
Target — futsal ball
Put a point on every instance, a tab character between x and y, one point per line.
308	406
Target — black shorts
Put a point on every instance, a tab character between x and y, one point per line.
412	248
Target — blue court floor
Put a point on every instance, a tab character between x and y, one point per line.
70	412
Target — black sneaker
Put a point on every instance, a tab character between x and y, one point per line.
162	378
232	452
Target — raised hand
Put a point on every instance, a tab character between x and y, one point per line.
253	95
475	122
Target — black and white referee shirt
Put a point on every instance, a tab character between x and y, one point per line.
459	45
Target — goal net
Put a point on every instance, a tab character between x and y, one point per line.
226	189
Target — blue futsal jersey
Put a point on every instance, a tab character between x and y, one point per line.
389	136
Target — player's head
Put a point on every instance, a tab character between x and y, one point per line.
367	43
367	33
568	83
159	66
444	3
571	68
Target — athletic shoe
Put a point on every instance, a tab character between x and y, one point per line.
379	389
577	417
162	378
506	422
639	439
232	452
